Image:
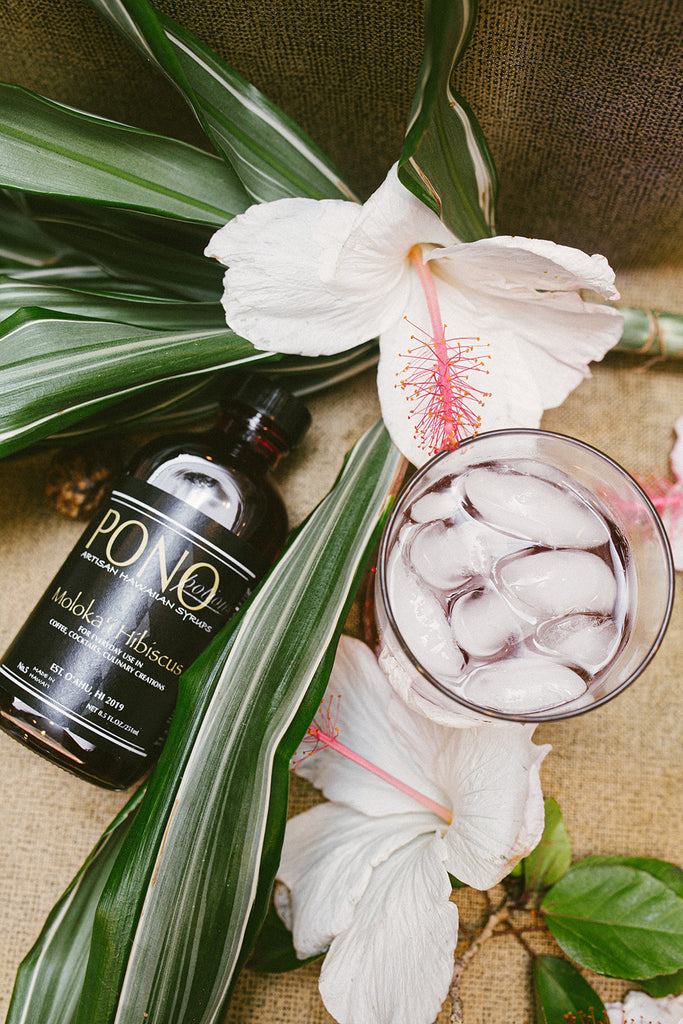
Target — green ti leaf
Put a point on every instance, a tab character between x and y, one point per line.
274	951
164	254
551	859
58	368
52	149
663	984
138	311
198	864
563	996
445	161
22	243
169	406
271	155
50	978
617	919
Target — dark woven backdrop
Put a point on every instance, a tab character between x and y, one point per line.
580	99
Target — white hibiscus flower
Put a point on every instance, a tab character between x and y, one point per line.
365	876
478	335
640	1008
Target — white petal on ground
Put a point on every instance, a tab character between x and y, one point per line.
393	965
677	450
534	509
640	1008
554	583
327	860
491	775
672	514
376	888
520	686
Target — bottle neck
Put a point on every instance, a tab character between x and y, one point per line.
250	436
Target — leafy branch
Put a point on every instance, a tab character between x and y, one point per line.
618	916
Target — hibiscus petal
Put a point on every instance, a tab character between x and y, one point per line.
394	963
497	385
513	263
640	1008
368	720
317	277
328	856
492	777
522	352
677	451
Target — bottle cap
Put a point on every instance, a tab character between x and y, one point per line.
285	409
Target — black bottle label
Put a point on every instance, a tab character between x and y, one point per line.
140	596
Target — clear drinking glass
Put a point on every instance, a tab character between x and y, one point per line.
550	571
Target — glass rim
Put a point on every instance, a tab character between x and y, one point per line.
537	717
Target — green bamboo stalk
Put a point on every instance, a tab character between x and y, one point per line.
651	333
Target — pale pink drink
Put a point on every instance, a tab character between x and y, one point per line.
522	576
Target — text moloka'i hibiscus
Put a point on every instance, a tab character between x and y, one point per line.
365	875
473	336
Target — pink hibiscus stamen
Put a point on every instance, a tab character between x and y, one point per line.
439	371
665	494
323	732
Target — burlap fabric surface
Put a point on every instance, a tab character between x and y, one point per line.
580	105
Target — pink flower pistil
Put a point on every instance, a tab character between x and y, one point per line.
323	731
439	372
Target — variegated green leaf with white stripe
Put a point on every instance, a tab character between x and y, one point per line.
77	273
445	160
163	253
49	148
22	243
190	887
157	314
183	403
50	977
271	154
58	368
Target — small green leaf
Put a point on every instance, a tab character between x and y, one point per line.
561	990
667	873
553	855
445	161
48	148
663	984
617	920
274	951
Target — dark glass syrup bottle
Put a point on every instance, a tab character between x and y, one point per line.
91	680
